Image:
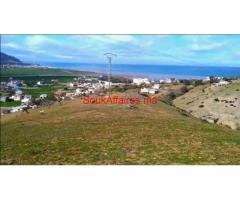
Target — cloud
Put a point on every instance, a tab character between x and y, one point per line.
157	49
204	43
10	45
36	41
207	47
64	56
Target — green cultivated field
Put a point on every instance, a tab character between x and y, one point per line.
30	76
10	104
8	72
75	133
36	92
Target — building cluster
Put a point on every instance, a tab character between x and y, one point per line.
87	86
151	87
11	91
82	86
216	81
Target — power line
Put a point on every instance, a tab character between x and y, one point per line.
109	57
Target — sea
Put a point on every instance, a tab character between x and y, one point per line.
153	71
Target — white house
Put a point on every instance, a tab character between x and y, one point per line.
152	91
43	96
78	92
70	85
69	96
168	80
26	99
144	90
148	90
16	109
206	79
221	83
106	84
156	86
91	90
18	92
16	97
139	81
3	99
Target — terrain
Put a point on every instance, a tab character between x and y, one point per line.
7	59
77	133
216	104
41	71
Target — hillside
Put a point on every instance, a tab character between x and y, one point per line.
9	60
214	104
76	133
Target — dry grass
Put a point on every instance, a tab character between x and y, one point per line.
75	133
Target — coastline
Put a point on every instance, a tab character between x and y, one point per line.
153	72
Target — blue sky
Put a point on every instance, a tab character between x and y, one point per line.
206	50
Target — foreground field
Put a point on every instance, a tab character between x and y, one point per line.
75	133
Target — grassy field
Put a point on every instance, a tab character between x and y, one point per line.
40	71
31	76
76	133
33	72
36	92
32	80
10	104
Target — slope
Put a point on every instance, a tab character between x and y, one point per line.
76	133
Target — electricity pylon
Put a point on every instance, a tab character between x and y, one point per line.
109	57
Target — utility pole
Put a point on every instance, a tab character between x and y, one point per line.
109	57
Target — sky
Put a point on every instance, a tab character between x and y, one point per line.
194	50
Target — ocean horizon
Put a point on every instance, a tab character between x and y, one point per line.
152	71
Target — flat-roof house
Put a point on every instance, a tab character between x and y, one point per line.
148	90
43	96
139	81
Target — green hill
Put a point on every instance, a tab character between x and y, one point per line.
76	133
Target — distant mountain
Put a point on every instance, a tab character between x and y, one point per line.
9	60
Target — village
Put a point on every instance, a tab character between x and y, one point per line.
16	95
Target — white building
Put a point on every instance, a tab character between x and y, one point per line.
221	83
148	90
70	85
43	96
18	92
69	96
168	80
152	91
26	99
78	92
106	84
3	99
91	90
206	79
16	97
139	81
144	90
16	109
156	86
